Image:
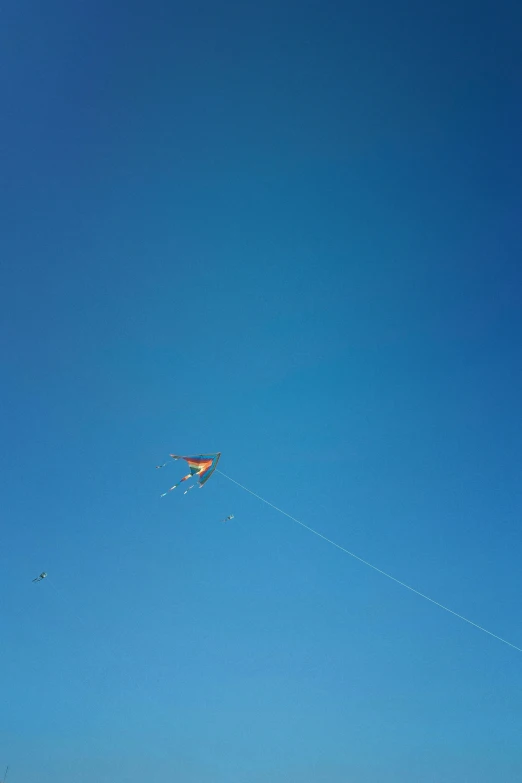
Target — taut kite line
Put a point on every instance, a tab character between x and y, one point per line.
204	465
370	565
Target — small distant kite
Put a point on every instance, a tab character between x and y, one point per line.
39	578
201	468
227	519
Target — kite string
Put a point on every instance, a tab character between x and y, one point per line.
370	565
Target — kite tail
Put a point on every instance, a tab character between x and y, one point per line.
189	475
174	457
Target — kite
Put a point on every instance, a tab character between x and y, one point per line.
227	519
39	578
201	468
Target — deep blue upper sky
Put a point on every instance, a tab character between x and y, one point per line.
290	232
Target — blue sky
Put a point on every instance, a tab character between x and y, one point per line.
289	232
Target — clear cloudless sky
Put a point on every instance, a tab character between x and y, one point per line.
291	232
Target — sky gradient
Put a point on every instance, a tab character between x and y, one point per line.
289	232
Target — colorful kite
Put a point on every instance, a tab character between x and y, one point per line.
39	578
201	468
